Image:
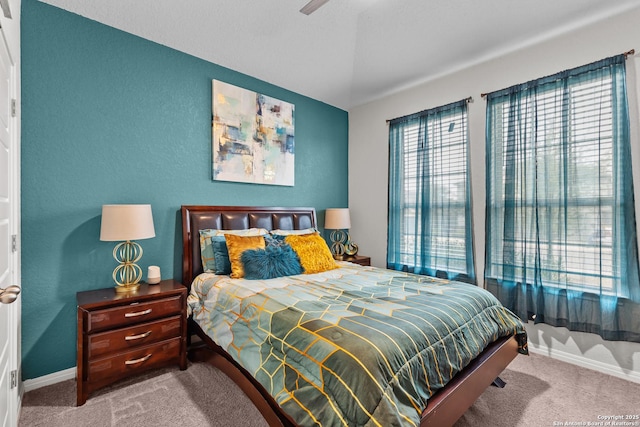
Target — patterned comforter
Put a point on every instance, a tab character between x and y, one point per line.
356	346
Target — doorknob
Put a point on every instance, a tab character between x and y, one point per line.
9	295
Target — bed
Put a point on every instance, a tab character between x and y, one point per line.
446	399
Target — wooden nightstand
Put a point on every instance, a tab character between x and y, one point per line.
120	335
359	259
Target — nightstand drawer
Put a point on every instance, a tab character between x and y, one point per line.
133	313
128	338
133	361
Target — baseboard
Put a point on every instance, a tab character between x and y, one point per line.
585	362
56	377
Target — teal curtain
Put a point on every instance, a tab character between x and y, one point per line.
560	233
429	230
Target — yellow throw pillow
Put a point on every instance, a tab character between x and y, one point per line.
236	245
313	252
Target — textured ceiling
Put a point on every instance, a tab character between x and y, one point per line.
348	52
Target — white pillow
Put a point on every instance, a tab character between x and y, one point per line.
278	232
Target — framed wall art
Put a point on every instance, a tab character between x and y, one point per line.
252	137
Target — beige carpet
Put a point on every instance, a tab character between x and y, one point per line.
199	396
540	392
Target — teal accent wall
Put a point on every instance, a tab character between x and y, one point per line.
108	117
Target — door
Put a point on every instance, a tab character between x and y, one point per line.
9	272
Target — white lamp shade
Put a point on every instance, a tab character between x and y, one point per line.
126	222
337	219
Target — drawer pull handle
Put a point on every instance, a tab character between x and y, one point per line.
137	337
136	361
138	313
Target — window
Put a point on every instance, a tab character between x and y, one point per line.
554	171
561	237
429	200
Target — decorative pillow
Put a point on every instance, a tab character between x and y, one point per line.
206	250
273	261
274	240
279	232
221	255
313	252
236	245
206	246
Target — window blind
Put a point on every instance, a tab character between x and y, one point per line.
429	212
554	166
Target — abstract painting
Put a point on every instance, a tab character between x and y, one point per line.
253	137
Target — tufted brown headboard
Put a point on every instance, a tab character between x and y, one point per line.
197	217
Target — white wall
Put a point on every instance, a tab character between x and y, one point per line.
368	158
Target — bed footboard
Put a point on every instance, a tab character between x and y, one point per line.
448	404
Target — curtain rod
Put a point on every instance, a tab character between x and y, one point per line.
626	54
469	99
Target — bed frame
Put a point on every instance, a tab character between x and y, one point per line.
443	408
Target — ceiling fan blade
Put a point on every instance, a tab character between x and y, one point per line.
312	6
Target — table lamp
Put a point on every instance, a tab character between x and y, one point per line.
127	223
338	219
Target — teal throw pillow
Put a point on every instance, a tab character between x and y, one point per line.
222	263
273	261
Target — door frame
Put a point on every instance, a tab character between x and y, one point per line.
10	29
